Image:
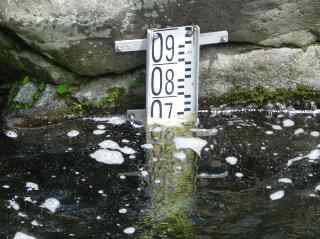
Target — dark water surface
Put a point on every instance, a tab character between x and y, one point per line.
258	177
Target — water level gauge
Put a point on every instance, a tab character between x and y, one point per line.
172	75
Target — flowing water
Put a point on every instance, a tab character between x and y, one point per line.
240	175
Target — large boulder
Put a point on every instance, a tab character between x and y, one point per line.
226	68
80	34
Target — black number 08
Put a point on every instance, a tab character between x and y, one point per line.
169	85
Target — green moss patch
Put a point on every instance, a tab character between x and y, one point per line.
261	96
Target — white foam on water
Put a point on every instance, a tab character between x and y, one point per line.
180	155
147	146
129	230
231	160
21	214
32	186
29	199
115	120
285	180
277	195
127	150
14	205
21	235
123	211
315	134
276	127
269	132
317	189
52	204
11	134
108	157
36	223
239	175
195	144
213	175
101	127
288	123
125	141
291	161
298	131
6	186
109	144
73	133
314	154
99	132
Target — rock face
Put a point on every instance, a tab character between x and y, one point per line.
80	34
225	68
273	43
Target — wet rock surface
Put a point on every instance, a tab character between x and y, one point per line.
273	44
80	34
258	177
226	68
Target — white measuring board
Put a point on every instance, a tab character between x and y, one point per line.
172	75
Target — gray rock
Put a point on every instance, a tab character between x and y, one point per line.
20	58
96	91
225	68
26	94
48	108
49	100
80	34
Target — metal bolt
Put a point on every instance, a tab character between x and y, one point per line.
118	49
155	36
224	39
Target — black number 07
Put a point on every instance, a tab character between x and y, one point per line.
159	104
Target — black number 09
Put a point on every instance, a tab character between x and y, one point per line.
169	47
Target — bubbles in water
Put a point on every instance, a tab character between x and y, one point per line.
21	235
276	127
108	157
32	186
99	132
129	230
52	204
14	205
315	134
11	134
196	144
231	160
73	133
147	146
277	195
288	123
314	154
101	127
285	180
298	131
123	211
